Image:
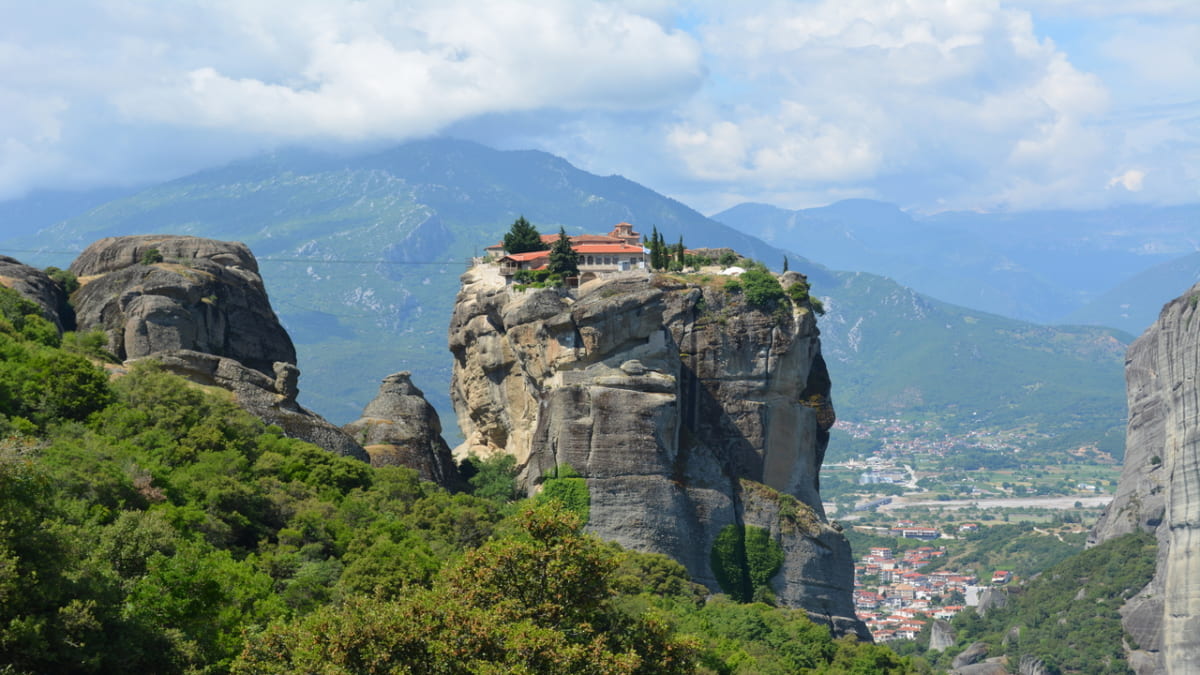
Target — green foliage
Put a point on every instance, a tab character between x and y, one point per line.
168	531
760	640
42	384
14	307
1068	615
762	289
744	559
65	279
728	259
564	261
494	478
151	256
799	294
568	487
537	602
523	237
93	344
524	279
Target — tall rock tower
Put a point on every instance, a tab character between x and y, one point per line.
698	420
1159	490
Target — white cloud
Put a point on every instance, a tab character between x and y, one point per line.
919	96
1130	180
388	70
253	74
928	103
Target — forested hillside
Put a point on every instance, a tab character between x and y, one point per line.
150	525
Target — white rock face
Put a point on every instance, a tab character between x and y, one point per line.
685	409
1160	487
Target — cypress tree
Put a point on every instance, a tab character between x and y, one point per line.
523	237
564	260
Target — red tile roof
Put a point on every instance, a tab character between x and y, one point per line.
607	248
526	257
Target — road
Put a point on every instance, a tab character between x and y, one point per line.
998	503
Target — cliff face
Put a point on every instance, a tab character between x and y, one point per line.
686	411
199	307
1159	489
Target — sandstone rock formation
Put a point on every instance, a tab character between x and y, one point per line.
941	635
199	307
36	286
686	410
974	653
400	428
1159	489
203	295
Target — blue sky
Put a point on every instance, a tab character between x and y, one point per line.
931	104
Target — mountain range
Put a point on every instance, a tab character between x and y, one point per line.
361	256
1049	267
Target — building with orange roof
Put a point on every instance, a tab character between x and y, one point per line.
617	251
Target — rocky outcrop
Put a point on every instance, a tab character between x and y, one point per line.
687	411
1159	490
270	398
400	428
989	667
199	307
941	635
974	653
37	286
200	295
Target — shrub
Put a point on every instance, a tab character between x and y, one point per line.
64	278
151	256
762	289
568	487
494	478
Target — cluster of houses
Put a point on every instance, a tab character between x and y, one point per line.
618	251
905	598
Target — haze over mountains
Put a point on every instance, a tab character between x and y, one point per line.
1041	266
361	256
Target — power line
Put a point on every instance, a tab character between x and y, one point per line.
281	260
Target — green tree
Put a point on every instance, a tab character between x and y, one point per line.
535	602
523	237
564	261
494	478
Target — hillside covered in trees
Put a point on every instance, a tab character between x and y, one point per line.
151	525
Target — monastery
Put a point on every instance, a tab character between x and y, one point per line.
618	251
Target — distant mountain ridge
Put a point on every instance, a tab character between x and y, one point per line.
1036	266
361	256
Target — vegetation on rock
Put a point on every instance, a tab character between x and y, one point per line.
744	558
570	488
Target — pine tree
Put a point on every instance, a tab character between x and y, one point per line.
564	261
679	252
785	264
523	237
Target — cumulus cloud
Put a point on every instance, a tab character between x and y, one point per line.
399	70
927	103
307	70
854	91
